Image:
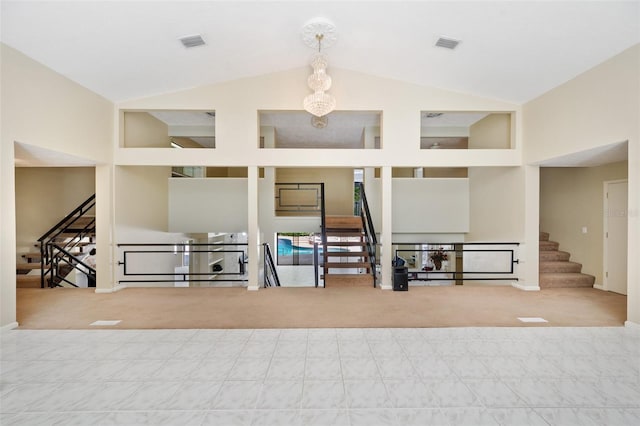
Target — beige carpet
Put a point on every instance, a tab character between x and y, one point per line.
459	306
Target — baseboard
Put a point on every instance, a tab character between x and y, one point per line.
632	324
599	287
386	287
111	290
8	327
253	288
520	286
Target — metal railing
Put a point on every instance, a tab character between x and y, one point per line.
63	262
65	235
369	230
142	261
482	260
299	199
270	272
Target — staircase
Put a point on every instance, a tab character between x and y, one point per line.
58	251
555	268
346	260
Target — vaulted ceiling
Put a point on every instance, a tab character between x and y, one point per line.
513	51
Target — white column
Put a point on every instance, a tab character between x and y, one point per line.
253	228
386	234
633	223
7	236
530	249
105	250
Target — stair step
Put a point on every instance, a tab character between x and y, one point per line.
343	222
550	256
28	281
559	266
549	245
348	254
348	280
343	233
561	280
347	265
346	243
544	236
28	266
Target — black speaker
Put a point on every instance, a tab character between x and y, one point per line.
400	278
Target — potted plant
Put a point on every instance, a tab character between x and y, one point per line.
437	257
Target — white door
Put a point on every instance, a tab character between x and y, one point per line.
615	236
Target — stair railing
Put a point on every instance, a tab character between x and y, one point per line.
47	241
270	272
370	232
60	256
323	231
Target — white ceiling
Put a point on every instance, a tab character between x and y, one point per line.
513	51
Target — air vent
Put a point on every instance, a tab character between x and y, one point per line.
432	114
192	41
447	43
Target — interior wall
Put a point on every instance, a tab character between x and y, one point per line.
598	108
208	205
492	132
141	204
338	185
572	198
45	109
430	205
496	204
44	196
142	130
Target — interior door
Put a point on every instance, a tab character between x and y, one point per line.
615	237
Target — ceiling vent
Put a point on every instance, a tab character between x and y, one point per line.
447	43
192	41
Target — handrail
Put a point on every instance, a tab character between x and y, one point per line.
129	257
78	209
431	273
49	237
370	232
269	267
323	231
73	261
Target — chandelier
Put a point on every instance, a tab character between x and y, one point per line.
319	103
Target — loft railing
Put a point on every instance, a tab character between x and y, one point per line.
369	230
485	261
299	199
142	263
270	272
66	235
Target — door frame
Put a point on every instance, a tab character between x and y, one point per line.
605	229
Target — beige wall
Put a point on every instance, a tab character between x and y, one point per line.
141	203
44	196
571	198
496	204
492	132
142	130
338	185
44	109
598	108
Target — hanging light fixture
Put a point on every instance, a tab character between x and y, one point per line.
319	103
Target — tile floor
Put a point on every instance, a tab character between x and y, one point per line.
369	377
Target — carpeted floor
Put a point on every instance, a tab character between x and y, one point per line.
459	306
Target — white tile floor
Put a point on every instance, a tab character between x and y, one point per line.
369	377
